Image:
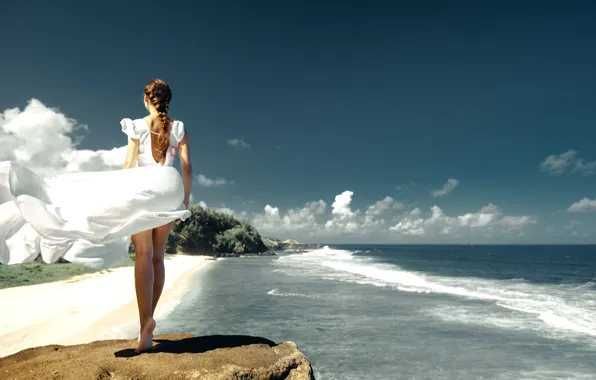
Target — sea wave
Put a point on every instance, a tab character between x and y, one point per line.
556	310
276	292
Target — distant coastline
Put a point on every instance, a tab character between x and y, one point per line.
289	245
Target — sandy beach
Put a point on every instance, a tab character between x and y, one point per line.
85	308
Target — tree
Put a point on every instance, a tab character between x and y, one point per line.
207	231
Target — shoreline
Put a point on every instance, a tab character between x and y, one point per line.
86	308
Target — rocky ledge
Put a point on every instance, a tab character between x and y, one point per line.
172	357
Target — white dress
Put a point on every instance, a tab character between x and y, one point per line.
87	218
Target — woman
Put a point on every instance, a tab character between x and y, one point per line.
152	141
90	218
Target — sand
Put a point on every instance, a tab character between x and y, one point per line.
85	308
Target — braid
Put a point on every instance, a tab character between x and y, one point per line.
159	94
163	139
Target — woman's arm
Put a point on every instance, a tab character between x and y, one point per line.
131	153
186	166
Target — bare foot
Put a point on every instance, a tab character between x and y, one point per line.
146	338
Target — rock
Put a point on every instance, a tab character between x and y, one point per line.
215	357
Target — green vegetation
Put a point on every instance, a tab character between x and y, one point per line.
210	232
271	243
205	232
39	272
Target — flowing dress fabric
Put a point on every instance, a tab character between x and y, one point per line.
88	217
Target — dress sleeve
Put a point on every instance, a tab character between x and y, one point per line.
178	130
128	127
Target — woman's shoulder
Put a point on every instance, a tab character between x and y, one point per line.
136	120
177	129
133	128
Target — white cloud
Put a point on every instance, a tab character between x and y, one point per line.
448	187
41	138
202	180
384	220
568	162
410	224
583	205
488	219
383	205
343	217
516	221
341	206
306	218
376	210
226	210
239	143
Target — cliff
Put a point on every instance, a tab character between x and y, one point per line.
210	232
172	357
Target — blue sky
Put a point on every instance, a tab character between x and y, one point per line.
371	98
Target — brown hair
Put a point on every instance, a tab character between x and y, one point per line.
159	94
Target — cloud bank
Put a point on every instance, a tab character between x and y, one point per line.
386	219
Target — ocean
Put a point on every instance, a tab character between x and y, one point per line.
409	312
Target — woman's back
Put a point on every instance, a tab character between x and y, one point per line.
139	129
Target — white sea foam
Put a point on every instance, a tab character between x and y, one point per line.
559	311
276	292
541	374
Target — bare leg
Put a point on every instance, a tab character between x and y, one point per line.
143	243
160	239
